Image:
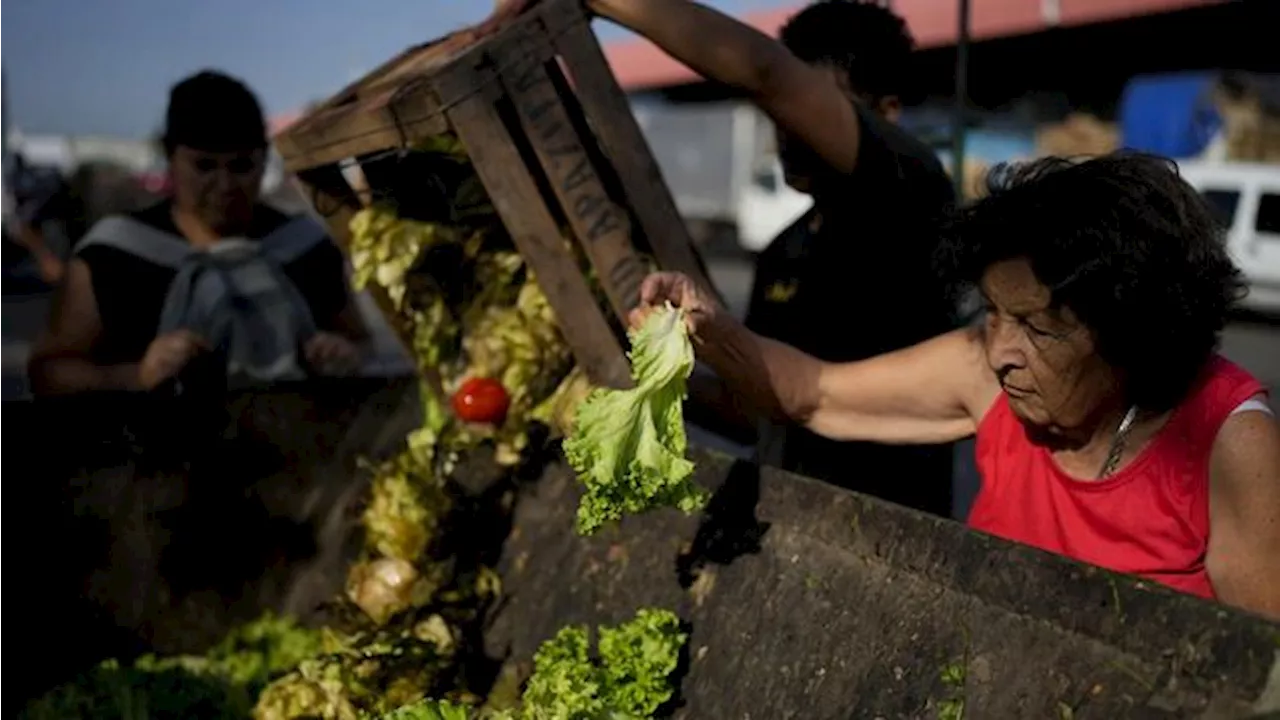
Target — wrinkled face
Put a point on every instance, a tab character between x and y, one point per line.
801	166
1043	356
219	188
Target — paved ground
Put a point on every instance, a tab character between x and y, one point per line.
1256	346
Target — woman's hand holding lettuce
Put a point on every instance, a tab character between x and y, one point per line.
628	446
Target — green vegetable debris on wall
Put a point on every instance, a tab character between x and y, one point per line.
628	678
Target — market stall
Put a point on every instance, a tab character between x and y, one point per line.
432	541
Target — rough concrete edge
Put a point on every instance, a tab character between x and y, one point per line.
1232	631
1269	700
383	412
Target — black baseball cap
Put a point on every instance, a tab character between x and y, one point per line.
214	112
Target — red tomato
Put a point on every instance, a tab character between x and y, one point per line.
481	400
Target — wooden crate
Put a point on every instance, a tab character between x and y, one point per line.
551	136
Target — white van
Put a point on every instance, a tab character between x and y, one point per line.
1246	197
719	162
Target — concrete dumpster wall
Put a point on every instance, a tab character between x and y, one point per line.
144	523
160	524
807	601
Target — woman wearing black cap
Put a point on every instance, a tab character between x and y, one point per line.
208	272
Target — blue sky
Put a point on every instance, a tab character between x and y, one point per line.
104	66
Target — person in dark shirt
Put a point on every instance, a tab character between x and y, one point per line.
865	250
832	88
209	274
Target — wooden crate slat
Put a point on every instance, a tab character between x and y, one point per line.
472	69
606	106
335	202
360	88
326	124
519	203
386	120
395	102
332	199
365	143
545	153
338	203
414	60
602	228
428	58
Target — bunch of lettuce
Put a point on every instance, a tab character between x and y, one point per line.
222	683
384	248
629	677
430	710
363	676
628	446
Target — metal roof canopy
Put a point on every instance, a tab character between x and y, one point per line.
640	65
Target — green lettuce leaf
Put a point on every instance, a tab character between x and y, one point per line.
565	684
637	659
628	446
628	678
430	710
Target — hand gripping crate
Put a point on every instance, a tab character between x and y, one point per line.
551	137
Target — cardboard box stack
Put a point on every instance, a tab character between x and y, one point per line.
1250	111
1078	134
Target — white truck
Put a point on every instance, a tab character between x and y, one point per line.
1246	197
720	162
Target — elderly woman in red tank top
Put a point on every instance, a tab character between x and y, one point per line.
1108	429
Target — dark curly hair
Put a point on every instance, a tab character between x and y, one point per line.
861	37
1125	243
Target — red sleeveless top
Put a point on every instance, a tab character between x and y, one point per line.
1151	518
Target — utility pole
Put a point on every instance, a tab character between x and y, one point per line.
4	118
4	136
961	121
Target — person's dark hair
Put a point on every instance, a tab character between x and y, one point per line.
864	39
213	112
1125	243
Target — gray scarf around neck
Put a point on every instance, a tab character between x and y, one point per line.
235	294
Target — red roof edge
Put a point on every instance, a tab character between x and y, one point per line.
640	65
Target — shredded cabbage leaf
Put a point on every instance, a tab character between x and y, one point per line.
220	684
430	710
628	446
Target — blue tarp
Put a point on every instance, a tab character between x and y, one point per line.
1170	115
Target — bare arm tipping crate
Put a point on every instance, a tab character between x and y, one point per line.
552	138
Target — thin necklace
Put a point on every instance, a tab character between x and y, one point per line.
1118	442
